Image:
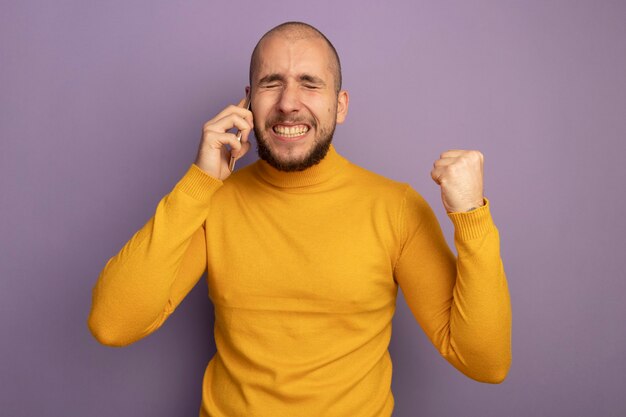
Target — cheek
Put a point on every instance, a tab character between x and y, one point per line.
264	102
261	114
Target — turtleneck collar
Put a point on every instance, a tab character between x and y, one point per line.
326	169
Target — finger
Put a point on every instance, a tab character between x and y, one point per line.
245	147
228	122
250	118
232	109
444	162
435	174
452	153
216	140
244	103
235	145
240	113
245	136
476	155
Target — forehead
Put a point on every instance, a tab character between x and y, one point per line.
292	57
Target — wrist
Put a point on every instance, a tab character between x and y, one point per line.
473	224
481	204
466	207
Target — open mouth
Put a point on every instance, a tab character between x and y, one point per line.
290	131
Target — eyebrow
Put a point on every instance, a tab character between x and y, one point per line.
311	79
271	78
302	78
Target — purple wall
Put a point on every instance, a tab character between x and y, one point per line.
101	108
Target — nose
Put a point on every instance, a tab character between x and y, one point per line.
289	100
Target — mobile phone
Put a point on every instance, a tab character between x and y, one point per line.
231	164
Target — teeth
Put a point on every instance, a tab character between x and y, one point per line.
291	131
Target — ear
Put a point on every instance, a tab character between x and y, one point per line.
247	91
342	106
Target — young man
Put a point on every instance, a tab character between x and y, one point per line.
305	251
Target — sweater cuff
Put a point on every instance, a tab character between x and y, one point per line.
472	224
198	184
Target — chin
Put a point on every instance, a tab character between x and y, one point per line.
290	161
292	154
291	157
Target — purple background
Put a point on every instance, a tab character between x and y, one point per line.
101	108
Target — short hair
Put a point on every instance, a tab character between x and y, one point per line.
299	30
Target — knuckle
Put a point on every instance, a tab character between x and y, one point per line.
207	131
465	159
476	155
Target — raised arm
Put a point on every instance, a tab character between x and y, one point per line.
142	285
462	304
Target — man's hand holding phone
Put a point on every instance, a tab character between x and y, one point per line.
218	145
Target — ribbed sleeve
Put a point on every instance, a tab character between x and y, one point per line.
472	224
198	184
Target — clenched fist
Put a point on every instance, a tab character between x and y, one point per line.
213	153
460	175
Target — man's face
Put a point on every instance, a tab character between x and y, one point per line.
294	101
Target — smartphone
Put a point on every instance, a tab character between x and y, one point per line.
231	164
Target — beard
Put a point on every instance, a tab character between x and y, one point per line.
317	152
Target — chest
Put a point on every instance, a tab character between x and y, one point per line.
301	253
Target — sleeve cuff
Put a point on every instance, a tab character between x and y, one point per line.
472	224
198	184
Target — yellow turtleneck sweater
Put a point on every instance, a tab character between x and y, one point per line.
303	272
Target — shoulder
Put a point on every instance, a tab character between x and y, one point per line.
396	195
399	200
377	184
242	181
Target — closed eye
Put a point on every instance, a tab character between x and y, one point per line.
311	81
